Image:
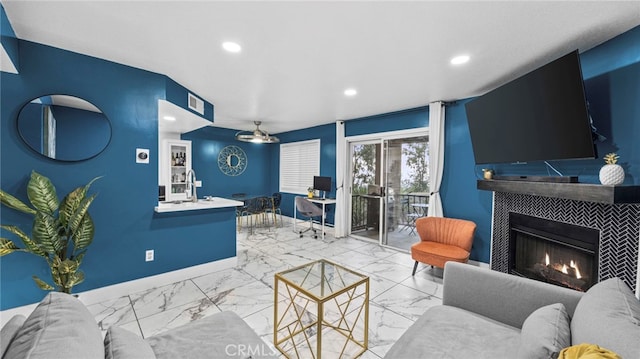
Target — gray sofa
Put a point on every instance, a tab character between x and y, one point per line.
62	327
488	314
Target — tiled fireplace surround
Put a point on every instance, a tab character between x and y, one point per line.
619	226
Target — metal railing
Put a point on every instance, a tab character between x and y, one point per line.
365	209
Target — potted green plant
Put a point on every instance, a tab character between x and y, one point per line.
61	231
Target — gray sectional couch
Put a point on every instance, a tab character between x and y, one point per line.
488	314
485	314
62	327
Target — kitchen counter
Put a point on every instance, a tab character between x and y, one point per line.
180	206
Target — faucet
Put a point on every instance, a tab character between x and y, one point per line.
191	186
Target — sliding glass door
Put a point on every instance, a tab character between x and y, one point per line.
389	188
406	179
366	189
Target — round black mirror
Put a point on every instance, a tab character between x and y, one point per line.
64	128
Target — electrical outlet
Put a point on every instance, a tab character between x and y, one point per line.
149	255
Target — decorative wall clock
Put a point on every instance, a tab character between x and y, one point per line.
232	160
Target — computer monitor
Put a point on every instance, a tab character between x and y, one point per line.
322	184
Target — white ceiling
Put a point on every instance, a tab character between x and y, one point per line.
299	56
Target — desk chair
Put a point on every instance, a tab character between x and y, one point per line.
310	210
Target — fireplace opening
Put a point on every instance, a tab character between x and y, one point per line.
555	252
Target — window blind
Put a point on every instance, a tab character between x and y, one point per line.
299	162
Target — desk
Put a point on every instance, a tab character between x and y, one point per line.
323	202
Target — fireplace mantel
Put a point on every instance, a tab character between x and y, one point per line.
575	191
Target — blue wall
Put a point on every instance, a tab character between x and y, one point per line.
123	213
126	224
327	136
206	144
179	95
76	128
460	199
393	121
32	131
8	37
5	25
612	85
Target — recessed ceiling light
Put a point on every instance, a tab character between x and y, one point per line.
231	46
350	92
169	118
459	60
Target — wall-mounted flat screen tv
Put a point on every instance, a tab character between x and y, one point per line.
540	116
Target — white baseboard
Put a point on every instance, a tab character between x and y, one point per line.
118	290
98	295
479	264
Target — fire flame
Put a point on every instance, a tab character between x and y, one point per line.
574	265
546	259
564	269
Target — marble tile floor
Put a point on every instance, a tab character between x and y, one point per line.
396	298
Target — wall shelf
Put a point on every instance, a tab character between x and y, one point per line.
577	191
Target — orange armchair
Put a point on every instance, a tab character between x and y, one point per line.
442	240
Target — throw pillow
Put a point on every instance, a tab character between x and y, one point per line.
608	315
122	344
587	351
9	331
545	333
61	327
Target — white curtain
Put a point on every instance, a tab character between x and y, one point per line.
436	156
340	225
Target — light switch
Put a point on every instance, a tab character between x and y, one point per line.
198	183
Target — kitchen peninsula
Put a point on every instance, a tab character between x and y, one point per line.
210	203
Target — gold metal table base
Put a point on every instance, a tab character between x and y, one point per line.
321	308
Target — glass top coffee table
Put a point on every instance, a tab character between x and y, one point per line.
321	309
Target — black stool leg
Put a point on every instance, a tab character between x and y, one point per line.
415	266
